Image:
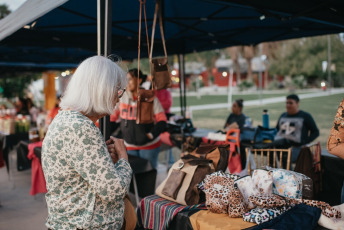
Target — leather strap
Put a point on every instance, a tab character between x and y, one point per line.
142	2
157	8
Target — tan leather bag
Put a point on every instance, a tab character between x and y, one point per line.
184	183
130	219
145	106
217	153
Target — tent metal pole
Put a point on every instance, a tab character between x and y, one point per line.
104	29
329	64
182	84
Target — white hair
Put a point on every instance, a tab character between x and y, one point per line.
94	87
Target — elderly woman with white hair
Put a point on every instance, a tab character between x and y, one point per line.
86	177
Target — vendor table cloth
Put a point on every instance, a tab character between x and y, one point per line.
157	213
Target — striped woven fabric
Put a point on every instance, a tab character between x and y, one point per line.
157	213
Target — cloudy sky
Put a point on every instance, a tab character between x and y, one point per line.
12	4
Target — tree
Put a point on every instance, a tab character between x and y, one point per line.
4	11
305	56
15	84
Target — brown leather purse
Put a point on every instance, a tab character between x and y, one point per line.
145	98
145	106
160	69
217	153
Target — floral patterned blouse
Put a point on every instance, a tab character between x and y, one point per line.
336	137
85	188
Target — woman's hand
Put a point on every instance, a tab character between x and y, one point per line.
116	149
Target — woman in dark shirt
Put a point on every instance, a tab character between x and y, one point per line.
236	119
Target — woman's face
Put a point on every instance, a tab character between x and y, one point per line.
132	83
235	108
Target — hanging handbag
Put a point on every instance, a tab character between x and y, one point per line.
145	106
160	69
145	98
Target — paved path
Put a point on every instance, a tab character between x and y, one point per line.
262	101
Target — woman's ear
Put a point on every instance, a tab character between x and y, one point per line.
140	81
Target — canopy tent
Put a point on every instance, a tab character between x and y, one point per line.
70	29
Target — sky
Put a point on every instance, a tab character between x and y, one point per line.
12	4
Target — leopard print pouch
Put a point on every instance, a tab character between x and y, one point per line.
326	209
236	207
218	173
268	201
216	190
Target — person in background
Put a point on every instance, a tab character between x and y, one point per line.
236	120
165	98
33	110
295	127
54	111
335	142
142	140
21	106
86	178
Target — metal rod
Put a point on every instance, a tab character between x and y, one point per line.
329	63
104	33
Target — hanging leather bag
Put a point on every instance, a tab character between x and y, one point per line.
145	106
160	68
145	98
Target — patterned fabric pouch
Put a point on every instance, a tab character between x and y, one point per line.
261	215
236	207
263	180
326	209
218	173
216	191
286	183
305	181
268	201
247	189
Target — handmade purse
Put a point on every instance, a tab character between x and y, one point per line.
160	70
217	153
181	183
236	206
216	191
217	173
263	181
145	106
245	185
145	98
261	215
291	184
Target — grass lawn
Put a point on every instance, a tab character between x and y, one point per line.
323	110
211	99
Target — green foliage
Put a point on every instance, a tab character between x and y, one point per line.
4	11
305	56
15	84
245	85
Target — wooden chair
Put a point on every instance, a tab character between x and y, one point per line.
266	162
